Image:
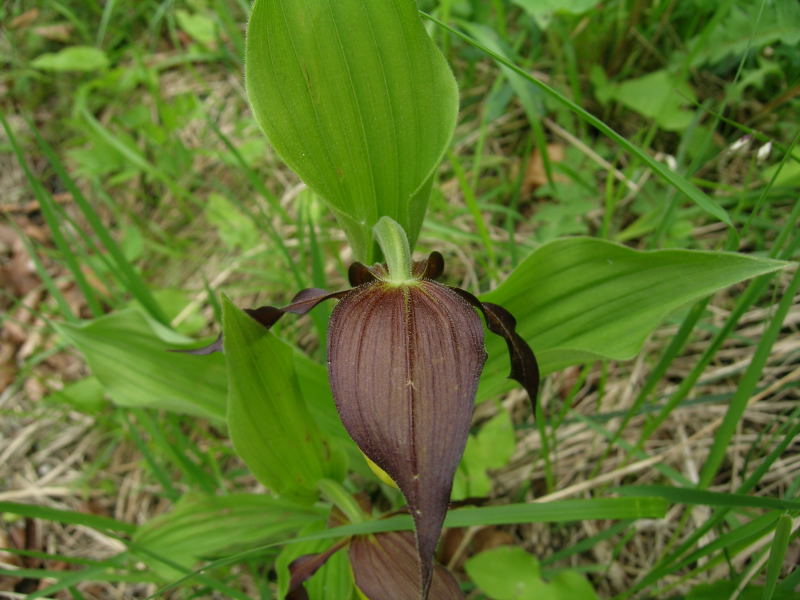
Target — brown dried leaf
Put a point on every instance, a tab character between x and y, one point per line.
24	19
535	172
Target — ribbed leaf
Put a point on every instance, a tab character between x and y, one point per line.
202	526
270	425
129	356
580	299
357	100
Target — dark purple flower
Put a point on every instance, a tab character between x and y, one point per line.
404	360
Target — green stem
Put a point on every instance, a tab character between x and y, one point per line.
334	493
393	241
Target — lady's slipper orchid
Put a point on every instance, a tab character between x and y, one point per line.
404	357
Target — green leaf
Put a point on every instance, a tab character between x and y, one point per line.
658	96
706	498
97	522
85	395
543	10
204	526
723	590
74	58
269	422
510	573
200	27
748	27
580	299
490	448
560	511
357	100
129	355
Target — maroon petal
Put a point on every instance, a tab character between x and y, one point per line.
524	368
430	268
303	567
267	316
359	274
385	568
404	363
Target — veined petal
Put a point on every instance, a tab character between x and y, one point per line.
524	368
385	568
404	363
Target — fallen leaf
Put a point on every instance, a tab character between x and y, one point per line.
60	32
24	19
535	173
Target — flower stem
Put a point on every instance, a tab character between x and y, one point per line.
393	241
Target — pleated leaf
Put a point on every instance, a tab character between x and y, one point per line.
129	355
357	100
270	425
203	526
580	299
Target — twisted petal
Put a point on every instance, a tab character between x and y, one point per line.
404	363
524	368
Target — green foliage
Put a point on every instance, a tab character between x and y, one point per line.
510	573
722	590
151	178
335	86
129	355
269	423
579	299
72	58
201	527
746	28
489	448
658	96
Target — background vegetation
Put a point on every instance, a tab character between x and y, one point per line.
136	182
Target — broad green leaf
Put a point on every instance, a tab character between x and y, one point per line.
510	573
543	10
73	58
490	448
748	27
129	355
200	26
357	100
269	422
580	299
85	395
658	96
203	526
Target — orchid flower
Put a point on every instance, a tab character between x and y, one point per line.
405	354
